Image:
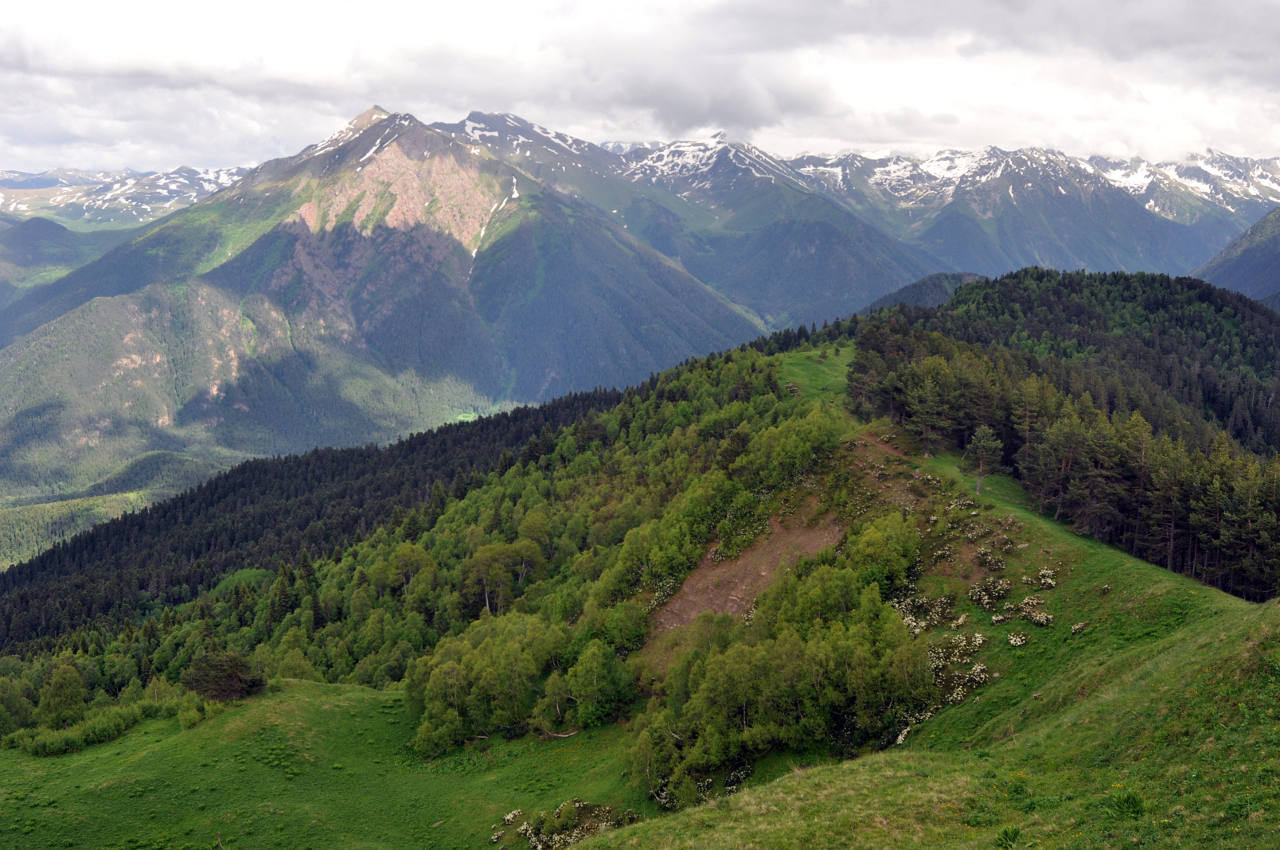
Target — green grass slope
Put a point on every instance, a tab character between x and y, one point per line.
306	765
1154	724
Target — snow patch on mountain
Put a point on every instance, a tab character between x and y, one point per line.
354	128
121	197
954	165
693	165
1238	187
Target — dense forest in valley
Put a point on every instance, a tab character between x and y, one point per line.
263	513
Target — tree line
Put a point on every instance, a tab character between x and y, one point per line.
1093	441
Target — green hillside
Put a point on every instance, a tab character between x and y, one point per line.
932	291
334	298
781	596
26	530
1154	725
1088	738
38	251
305	765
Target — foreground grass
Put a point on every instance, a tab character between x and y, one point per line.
307	765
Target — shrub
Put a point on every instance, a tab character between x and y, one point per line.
103	726
222	675
1008	837
1126	804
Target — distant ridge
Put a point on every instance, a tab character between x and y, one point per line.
932	291
396	276
1251	263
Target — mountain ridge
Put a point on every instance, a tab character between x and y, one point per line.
1251	263
378	283
399	274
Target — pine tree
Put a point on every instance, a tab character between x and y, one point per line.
984	452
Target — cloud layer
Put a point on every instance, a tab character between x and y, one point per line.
142	87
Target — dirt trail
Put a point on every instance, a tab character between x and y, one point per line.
730	587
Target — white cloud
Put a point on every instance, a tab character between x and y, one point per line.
145	85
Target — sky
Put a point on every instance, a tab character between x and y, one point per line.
150	86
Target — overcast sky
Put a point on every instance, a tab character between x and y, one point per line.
150	86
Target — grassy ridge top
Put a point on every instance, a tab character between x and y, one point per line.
1153	725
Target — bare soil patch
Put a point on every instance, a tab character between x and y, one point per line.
731	586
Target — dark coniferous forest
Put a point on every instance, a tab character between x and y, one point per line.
264	513
1137	407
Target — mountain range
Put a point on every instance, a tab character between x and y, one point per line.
108	198
399	275
112	199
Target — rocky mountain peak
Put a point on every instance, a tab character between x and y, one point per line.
368	118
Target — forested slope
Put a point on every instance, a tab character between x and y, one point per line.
763	557
262	513
1108	394
1215	351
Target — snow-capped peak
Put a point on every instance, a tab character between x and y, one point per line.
953	164
353	128
694	161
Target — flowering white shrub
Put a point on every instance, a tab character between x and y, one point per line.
1003	543
958	649
1039	618
924	612
1029	609
987	593
989	559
